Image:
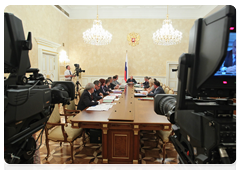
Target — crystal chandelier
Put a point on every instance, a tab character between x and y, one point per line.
97	35
167	35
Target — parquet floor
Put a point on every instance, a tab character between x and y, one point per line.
150	152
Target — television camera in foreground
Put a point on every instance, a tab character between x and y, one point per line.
28	101
202	112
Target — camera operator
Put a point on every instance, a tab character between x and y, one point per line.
68	74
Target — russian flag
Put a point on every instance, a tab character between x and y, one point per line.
126	69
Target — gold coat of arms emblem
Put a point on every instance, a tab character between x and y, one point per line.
133	39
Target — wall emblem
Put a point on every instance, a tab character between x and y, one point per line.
133	39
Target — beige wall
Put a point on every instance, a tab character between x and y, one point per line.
146	58
43	21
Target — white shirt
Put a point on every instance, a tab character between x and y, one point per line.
66	73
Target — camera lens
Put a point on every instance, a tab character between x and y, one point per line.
167	104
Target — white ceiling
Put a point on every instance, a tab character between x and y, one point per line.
137	11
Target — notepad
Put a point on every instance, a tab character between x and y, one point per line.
139	95
146	98
107	100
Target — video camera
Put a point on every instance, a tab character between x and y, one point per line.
78	69
202	112
28	102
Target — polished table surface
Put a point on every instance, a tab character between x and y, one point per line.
121	125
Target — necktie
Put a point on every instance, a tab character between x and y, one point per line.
91	96
236	61
70	74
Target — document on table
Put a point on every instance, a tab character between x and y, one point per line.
101	107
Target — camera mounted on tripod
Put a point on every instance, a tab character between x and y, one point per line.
202	112
78	69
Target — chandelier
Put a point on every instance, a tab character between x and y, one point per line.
97	35
167	35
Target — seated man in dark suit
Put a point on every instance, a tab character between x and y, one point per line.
157	89
105	93
229	64
112	86
97	94
87	99
106	87
146	83
131	80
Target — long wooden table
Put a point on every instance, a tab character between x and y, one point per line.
121	125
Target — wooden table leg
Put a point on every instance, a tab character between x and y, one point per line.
136	140
104	144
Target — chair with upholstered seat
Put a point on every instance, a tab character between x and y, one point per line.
171	91
164	137
163	87
166	90
58	132
70	109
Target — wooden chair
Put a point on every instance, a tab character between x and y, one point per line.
164	137
70	109
166	90
171	91
163	87
58	132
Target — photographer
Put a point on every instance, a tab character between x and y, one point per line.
68	74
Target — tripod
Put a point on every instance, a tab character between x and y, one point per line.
78	85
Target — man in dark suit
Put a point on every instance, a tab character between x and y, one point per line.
106	87
131	80
230	60
97	94
87	99
157	89
112	86
146	83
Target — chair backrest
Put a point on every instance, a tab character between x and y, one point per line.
71	106
55	116
163	87
166	90
171	91
81	91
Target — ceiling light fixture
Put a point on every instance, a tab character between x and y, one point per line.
97	35
167	35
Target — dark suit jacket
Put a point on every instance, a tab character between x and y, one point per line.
96	94
131	80
158	90
146	84
106	88
111	86
228	60
103	91
86	101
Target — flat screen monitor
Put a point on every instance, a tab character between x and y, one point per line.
228	67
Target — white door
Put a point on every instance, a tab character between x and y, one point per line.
49	68
172	80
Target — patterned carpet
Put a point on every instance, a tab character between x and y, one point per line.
150	152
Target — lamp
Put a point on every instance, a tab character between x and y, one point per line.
63	58
97	35
167	35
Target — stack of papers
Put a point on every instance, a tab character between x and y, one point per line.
139	95
137	85
108	99
139	89
101	107
114	94
117	91
146	98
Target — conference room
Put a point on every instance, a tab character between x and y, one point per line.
113	80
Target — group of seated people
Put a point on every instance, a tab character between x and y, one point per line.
94	92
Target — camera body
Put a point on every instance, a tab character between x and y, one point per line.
78	69
202	111
28	102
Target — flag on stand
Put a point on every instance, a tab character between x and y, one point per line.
126	69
